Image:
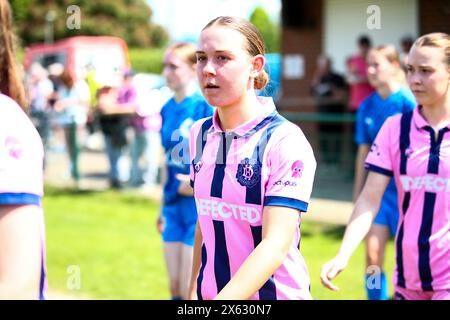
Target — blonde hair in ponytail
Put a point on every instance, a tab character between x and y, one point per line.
10	79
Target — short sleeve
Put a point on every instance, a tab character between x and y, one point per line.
291	166
21	159
379	158
361	136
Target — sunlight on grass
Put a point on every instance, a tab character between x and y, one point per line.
112	239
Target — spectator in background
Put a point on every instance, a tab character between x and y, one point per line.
54	72
405	44
93	86
357	74
143	107
330	91
146	123
115	105
72	106
40	90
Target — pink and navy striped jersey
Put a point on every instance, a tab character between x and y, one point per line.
408	149
21	165
264	162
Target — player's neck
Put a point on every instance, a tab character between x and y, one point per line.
238	113
388	88
437	114
184	92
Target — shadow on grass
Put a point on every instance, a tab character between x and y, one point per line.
124	196
311	229
66	191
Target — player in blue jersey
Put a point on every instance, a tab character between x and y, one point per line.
178	216
391	97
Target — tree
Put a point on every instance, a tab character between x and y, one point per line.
269	30
128	19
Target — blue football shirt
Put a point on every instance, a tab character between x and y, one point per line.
177	119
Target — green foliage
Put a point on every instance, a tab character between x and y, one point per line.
146	60
128	19
19	9
269	30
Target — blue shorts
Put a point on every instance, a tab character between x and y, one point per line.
180	218
388	213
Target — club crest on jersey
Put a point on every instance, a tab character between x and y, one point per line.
248	173
297	169
12	145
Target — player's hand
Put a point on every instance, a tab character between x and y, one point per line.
192	294
185	188
160	224
330	270
183	177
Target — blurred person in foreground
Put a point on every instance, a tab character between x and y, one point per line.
22	235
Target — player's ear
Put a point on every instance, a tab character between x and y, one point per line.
258	62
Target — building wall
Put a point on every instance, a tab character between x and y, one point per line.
343	24
434	16
307	41
311	39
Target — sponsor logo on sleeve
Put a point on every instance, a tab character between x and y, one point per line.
297	169
286	183
13	147
375	149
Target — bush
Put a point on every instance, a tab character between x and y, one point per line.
149	60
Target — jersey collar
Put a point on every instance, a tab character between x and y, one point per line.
420	121
268	112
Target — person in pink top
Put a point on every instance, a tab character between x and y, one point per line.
252	172
414	148
22	254
360	87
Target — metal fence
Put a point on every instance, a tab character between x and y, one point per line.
331	136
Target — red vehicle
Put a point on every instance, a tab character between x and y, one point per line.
107	55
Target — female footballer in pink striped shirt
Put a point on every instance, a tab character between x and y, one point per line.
252	173
22	255
414	148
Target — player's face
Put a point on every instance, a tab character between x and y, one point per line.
379	69
178	72
428	75
223	66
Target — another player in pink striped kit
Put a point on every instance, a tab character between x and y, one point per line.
252	173
22	253
414	148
